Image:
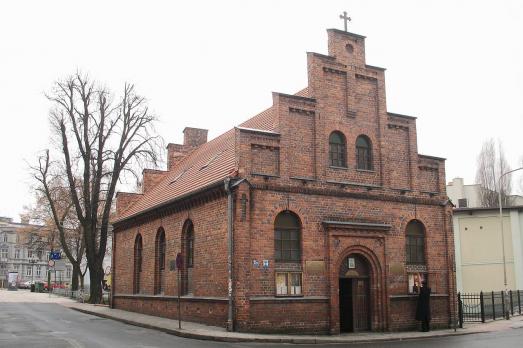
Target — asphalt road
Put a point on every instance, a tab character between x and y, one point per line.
26	324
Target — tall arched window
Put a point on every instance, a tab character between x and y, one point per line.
337	150
287	239
138	247
159	261
415	242
363	153
188	252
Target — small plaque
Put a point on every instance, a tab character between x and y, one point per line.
315	267
352	262
396	268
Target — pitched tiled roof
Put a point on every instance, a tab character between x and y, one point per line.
208	164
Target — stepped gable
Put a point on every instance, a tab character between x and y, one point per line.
209	163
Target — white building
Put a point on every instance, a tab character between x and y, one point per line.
478	241
17	255
479	248
468	196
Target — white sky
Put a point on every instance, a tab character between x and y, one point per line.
457	65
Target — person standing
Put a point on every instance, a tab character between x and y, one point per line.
423	308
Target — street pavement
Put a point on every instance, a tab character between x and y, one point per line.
39	320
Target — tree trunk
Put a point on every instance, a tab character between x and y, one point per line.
81	280
76	274
96	277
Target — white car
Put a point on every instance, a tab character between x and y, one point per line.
26	285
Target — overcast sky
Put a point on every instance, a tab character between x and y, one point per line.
456	65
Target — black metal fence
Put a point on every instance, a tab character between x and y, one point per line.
483	306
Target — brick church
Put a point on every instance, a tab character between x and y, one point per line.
317	215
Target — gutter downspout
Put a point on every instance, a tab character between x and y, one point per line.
113	272
230	240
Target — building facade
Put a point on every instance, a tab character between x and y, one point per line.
18	255
316	216
480	248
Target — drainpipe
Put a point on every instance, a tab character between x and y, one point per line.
230	209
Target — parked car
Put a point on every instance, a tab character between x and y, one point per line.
25	285
54	286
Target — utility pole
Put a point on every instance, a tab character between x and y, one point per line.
503	239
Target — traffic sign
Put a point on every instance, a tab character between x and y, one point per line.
55	255
51	263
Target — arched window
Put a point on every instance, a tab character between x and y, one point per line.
415	242
287	239
188	253
138	247
159	262
337	150
363	153
189	238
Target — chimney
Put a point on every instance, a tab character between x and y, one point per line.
194	136
175	153
151	178
124	200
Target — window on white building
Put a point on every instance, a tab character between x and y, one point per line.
5	237
3	253
29	271
68	275
17	253
38	270
16	267
29	254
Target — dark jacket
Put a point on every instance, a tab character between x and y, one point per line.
423	309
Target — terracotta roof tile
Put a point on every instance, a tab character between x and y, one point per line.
208	164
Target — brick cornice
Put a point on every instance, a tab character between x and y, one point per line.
348	194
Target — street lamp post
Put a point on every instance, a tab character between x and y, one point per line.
32	261
503	238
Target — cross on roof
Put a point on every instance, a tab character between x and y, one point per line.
345	19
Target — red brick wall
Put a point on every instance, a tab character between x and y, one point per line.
210	257
207	311
387	247
282	316
398	159
301	144
403	313
265	159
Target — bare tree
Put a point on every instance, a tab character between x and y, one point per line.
491	165
100	142
63	231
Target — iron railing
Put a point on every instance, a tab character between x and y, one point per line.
483	306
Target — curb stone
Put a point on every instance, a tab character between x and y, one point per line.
319	340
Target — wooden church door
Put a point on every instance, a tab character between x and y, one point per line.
354	295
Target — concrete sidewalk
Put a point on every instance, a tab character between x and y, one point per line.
204	332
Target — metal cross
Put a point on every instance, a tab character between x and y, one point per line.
345	19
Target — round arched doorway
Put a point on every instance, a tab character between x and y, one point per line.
354	285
